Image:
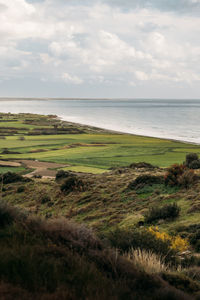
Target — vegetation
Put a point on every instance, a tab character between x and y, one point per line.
127	240
58	259
81	147
72	183
175	242
168	211
180	175
192	161
82	175
10	177
62	174
147	261
145	180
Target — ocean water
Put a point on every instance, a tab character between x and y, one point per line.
173	119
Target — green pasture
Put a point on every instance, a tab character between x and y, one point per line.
99	151
12	169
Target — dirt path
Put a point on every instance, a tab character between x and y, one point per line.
41	168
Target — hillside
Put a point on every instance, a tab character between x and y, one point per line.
58	259
88	231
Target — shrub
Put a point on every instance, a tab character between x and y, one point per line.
72	183
37	176
192	232
10	177
195	164
168	211
6	216
143	180
181	282
176	243
21	189
180	175
45	199
62	174
195	240
127	239
190	158
187	179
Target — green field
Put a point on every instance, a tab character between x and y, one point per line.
110	150
94	150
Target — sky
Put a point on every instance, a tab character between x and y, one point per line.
100	48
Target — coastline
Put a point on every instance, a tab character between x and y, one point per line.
90	148
128	133
105	129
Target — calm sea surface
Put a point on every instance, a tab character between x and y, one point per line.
174	119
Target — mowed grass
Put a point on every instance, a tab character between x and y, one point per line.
11	169
99	151
84	169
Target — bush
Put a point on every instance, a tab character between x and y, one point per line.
6	216
62	174
181	282
72	183
180	175
21	189
10	177
169	211
176	242
192	232
187	179
144	180
195	164
190	158
195	240
45	199
37	176
127	239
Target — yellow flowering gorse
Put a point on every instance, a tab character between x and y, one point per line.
176	242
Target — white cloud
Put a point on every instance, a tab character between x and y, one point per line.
71	79
99	44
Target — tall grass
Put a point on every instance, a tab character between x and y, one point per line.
147	261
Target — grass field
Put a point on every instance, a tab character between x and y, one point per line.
100	151
12	169
94	152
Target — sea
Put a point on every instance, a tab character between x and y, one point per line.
169	119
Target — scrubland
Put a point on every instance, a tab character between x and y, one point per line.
103	225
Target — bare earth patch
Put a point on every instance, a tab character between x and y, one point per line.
42	168
9	164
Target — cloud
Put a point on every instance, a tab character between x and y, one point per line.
71	79
180	6
101	43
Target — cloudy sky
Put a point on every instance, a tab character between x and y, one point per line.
100	48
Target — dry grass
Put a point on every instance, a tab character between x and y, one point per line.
147	261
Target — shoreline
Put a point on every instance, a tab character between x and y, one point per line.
90	98
128	133
115	131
